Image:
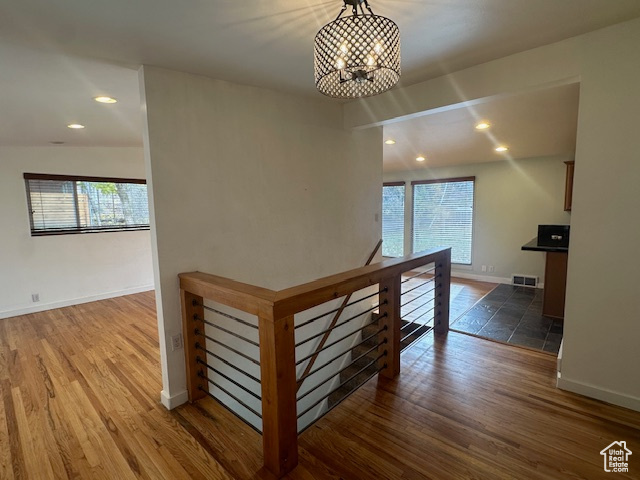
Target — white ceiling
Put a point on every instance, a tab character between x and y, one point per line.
56	54
535	124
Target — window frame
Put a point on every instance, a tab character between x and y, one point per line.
78	178
473	217
404	212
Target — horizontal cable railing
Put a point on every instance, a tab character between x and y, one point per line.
281	359
225	346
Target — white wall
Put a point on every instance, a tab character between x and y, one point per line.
511	199
602	314
602	332
254	185
66	269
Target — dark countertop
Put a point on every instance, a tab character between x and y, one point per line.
534	247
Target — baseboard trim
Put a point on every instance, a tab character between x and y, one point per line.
486	278
480	278
598	393
42	307
173	401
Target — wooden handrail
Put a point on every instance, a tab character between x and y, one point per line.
250	298
297	299
275	311
245	297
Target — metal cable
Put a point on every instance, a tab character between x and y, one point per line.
339	340
415	298
339	324
418	275
307	410
348	394
228	363
418	339
231	333
317	369
197	332
239	320
424	313
307	322
198	360
259	415
417	308
418	286
415	330
343	369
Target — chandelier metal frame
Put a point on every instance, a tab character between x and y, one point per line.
358	55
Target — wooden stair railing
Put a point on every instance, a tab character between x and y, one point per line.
276	331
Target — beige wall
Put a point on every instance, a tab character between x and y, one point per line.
66	269
602	331
258	186
511	199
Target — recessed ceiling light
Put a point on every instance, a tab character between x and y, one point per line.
483	126
390	142
501	148
103	99
420	159
56	142
75	126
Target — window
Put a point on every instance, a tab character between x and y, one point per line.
443	216
66	204
393	219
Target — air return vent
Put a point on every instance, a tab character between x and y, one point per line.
524	281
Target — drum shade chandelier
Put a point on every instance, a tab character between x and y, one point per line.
357	55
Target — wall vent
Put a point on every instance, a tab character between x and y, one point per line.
524	281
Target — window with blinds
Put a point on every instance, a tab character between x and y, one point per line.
443	216
393	219
60	204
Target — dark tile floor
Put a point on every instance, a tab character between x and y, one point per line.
513	315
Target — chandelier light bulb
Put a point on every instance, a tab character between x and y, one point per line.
357	55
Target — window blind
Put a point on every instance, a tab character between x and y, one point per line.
65	204
393	220
443	216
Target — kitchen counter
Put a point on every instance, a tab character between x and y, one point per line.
534	247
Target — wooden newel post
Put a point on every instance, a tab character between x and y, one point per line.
443	291
390	318
279	414
192	321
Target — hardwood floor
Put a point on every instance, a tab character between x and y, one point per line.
80	389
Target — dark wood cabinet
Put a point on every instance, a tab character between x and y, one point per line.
568	188
555	284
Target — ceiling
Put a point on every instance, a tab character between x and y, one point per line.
534	124
55	55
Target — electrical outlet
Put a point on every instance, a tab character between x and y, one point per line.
484	268
491	269
176	342
35	297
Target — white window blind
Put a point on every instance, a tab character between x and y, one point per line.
393	220
66	204
443	216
